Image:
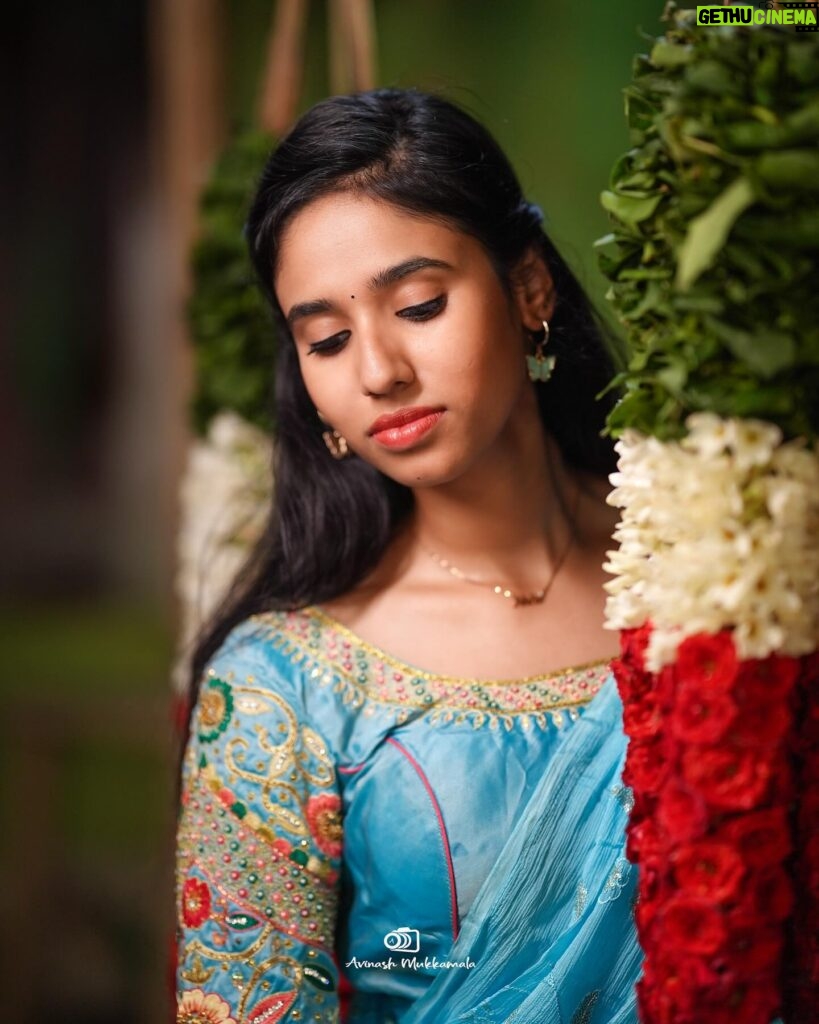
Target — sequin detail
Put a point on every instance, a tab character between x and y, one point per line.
261	864
215	709
583	1014
370	679
616	882
624	796
581	896
257	896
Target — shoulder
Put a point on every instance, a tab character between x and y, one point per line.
253	712
257	650
273	661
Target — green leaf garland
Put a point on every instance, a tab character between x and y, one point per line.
712	258
231	326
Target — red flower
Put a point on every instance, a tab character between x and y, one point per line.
633	684
642	718
708	661
196	902
708	869
692	925
681	813
701	715
728	778
773	894
323	814
767	680
645	765
752	945
633	644
761	839
763	724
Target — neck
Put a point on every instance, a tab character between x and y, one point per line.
507	518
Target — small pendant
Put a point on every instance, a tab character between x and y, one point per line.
540	367
524	599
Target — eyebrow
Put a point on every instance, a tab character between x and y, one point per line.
382	279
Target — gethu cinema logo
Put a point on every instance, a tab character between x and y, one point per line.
803	16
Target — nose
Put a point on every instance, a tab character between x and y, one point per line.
383	363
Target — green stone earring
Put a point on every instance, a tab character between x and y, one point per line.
541	366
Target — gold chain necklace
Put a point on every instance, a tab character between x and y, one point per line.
539	596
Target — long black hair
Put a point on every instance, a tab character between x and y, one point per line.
331	520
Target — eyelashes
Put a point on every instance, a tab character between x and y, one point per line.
424	310
417	314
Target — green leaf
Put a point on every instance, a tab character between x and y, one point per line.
670	55
767	352
628	209
792	169
707	232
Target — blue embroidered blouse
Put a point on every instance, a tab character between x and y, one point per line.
350	820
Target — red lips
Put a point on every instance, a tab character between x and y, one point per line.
398	419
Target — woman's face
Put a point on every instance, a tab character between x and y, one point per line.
394	313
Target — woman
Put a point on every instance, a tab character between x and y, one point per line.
358	833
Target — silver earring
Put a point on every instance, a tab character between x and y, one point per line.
541	366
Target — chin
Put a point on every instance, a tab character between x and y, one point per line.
426	469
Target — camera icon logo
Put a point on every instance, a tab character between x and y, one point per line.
403	940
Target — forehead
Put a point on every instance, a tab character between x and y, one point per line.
339	241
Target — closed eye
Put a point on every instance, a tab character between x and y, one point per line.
329	344
424	310
418	313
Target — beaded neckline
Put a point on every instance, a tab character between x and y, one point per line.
318	613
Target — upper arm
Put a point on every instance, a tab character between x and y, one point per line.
258	852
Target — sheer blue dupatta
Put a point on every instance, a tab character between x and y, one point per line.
551	931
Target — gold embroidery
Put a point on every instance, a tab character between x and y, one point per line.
377	653
197	973
244	871
365	677
299	754
292	972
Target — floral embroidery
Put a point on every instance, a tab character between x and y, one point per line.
264	885
366	676
249	868
215	709
198	1007
324	819
195	903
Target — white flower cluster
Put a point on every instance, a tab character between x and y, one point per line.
224	499
718	530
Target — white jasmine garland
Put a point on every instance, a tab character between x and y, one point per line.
224	499
718	530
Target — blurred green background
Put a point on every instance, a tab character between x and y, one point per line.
118	109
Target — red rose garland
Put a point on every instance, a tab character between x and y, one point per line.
718	749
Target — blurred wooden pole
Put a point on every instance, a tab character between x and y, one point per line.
351	45
188	130
361	21
281	86
188	113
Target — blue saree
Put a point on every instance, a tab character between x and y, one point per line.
364	841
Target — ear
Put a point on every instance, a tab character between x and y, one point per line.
533	289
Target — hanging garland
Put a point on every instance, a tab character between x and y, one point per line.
231	329
715	210
712	262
